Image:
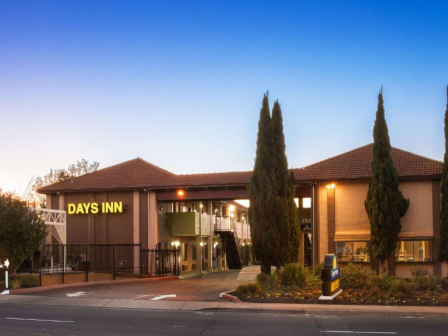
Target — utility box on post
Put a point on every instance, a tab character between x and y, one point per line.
330	278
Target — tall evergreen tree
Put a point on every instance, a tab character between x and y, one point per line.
385	204
282	218
294	225
263	195
443	252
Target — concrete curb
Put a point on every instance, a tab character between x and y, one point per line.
82	284
229	297
246	307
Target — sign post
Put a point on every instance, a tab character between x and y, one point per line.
330	278
6	265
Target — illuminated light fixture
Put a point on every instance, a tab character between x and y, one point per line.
201	206
180	193
330	186
215	244
175	243
232	214
242	244
231	208
202	244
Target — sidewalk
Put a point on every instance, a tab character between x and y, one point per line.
314	309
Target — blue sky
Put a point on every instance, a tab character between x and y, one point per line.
180	83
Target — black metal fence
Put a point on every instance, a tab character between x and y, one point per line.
69	263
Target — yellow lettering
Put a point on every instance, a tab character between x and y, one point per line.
109	207
94	208
118	207
86	207
103	209
79	209
71	209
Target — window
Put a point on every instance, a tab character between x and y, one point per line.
306	202
206	251
184	251
352	251
414	250
194	255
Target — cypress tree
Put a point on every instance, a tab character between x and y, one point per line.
263	195
385	204
294	225
282	218
443	252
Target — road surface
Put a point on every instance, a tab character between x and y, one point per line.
18	320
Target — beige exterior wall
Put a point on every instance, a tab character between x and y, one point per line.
352	222
323	223
418	221
404	270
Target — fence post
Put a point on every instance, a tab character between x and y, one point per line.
114	262
140	262
87	263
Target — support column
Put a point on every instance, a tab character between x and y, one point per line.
136	226
210	237
331	211
153	225
198	243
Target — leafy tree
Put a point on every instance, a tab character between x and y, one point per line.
294	225
54	176
385	204
443	252
263	195
282	217
22	231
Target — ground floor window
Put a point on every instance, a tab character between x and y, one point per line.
414	250
184	251
195	252
353	251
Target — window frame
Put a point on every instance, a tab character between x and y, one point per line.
369	249
413	240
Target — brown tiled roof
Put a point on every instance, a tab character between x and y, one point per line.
357	164
138	174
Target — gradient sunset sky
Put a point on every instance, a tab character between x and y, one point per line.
180	83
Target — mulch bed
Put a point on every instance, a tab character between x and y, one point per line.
349	297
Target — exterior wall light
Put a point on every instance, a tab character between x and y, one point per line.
180	193
202	244
330	186
175	243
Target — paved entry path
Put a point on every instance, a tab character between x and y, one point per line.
202	288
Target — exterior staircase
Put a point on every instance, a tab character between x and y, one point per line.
231	247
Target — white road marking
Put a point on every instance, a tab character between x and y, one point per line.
359	332
37	320
76	294
5	292
162	297
141	296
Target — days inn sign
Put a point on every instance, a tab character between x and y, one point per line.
95	208
330	276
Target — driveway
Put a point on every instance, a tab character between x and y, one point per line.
202	288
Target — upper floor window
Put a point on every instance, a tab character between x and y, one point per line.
354	251
414	250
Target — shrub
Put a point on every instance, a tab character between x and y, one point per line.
318	270
355	276
400	285
444	284
29	281
264	279
293	275
248	289
423	280
15	284
383	282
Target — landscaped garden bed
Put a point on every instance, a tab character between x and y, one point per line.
361	286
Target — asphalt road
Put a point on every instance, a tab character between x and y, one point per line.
203	288
65	321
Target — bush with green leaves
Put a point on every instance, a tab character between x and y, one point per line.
293	275
318	270
355	276
249	289
423	280
15	284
